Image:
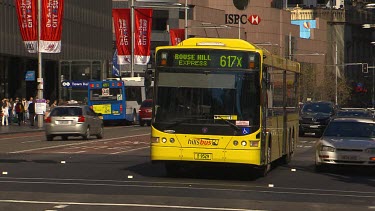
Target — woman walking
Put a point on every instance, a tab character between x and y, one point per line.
5	111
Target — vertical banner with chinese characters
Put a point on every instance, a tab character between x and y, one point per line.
177	35
27	13
121	21
143	23
51	29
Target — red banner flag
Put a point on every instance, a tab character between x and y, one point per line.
52	17
121	21
177	35
143	23
27	13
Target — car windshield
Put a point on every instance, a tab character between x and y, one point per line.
317	108
350	129
146	103
66	111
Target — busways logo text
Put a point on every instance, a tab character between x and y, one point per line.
203	142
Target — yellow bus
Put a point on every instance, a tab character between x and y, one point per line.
224	101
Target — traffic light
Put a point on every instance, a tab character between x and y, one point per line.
364	67
148	78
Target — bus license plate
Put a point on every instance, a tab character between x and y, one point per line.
202	156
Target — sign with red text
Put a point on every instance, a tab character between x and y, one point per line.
27	14
143	23
176	35
121	21
51	28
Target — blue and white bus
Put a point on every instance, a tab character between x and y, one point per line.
117	100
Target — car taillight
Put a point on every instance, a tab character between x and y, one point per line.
81	119
48	120
121	108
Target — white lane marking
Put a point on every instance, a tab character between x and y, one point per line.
182	184
115	153
25	142
203	188
60	206
126	205
371	207
74	144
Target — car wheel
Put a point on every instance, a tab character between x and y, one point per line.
100	134
86	136
320	167
149	123
64	138
49	137
141	123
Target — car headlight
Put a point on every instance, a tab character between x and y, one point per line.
327	148
370	150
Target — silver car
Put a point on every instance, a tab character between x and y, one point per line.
346	141
73	120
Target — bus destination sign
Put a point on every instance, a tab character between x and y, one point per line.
212	59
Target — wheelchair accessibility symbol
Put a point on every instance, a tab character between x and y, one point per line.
246	130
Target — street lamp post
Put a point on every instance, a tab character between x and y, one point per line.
40	77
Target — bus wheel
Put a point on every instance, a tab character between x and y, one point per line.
134	117
263	170
49	137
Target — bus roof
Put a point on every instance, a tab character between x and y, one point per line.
271	60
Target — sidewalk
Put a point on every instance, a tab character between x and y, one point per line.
15	128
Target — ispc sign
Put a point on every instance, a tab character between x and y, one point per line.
243	19
254	19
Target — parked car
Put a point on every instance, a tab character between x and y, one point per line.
145	112
356	113
346	141
73	120
315	116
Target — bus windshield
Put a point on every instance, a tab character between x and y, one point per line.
207	99
105	94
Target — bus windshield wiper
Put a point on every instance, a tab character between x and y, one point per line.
229	123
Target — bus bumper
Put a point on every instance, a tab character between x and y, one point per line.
245	156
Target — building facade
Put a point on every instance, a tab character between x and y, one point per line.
86	52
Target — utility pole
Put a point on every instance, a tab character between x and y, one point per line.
40	77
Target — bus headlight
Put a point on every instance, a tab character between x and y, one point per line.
235	143
164	140
243	143
171	140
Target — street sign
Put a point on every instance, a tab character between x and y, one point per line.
254	19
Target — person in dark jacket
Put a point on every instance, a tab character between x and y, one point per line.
20	110
31	109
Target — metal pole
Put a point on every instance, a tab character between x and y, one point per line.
290	46
373	69
239	29
186	19
336	67
133	38
40	77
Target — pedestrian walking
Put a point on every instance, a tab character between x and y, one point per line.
5	112
20	110
31	109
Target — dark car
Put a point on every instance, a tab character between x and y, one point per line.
315	116
355	113
145	112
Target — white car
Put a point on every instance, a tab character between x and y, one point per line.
346	141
